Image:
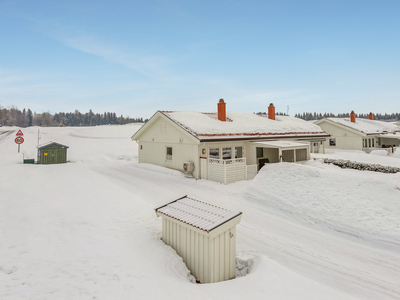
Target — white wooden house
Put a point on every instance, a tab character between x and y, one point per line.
204	236
226	147
360	134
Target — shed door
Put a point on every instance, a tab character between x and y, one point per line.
49	156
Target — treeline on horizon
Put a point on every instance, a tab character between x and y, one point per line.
25	118
315	116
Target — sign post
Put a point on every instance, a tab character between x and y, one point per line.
19	139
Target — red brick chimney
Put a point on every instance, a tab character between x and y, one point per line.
221	110
271	111
352	116
371	116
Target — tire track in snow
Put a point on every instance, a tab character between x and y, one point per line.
357	269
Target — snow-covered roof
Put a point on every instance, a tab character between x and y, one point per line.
367	126
206	126
197	214
281	144
49	144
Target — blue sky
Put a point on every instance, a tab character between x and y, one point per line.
137	57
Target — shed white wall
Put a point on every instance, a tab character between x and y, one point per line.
345	139
154	141
210	258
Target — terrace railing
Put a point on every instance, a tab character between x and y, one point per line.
227	170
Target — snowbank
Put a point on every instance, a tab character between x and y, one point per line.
379	152
364	205
359	156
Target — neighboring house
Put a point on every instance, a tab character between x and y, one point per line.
360	134
226	147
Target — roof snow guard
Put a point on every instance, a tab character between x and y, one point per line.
198	214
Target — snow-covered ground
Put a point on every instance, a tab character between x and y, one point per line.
375	157
87	229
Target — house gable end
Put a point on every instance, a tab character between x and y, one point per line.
161	126
339	126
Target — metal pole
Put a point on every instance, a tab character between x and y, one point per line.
18	148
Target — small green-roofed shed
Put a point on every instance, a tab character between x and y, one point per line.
52	153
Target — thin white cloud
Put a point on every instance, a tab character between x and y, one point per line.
154	66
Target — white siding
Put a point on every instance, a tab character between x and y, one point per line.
154	141
345	139
210	258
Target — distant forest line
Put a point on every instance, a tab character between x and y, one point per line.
25	118
315	116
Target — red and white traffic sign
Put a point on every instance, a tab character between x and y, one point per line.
19	133
19	140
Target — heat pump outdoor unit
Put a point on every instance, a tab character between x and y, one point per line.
188	167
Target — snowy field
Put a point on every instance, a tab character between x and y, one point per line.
87	229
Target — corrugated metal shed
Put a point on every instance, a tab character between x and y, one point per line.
52	153
204	235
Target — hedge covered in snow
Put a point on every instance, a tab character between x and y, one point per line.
347	164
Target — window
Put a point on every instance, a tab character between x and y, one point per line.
169	153
373	142
214	153
332	142
369	143
238	152
226	153
259	152
365	143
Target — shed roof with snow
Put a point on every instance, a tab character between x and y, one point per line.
50	144
196	213
204	236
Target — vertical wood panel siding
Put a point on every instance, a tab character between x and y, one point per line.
208	260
